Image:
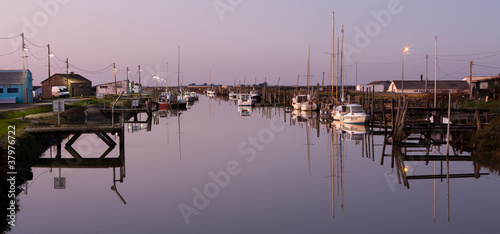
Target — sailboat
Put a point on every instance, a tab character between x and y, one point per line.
308	105
348	113
176	99
210	92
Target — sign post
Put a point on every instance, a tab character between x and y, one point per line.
58	106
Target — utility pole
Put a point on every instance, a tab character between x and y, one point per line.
140	87
67	77
48	58
426	71
470	80
114	73
128	83
25	93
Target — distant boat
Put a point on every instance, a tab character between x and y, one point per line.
188	96
353	114
255	96
163	101
211	93
195	95
177	101
245	100
298	100
233	95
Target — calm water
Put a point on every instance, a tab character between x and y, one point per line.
211	170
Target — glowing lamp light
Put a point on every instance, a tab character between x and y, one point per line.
51	55
406	169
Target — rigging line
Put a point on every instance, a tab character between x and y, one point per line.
45	46
486	66
11	52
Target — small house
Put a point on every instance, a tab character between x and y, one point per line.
377	86
77	85
16	86
419	86
115	88
484	86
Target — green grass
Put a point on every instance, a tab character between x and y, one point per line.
11	114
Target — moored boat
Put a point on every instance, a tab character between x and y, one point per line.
245	100
354	114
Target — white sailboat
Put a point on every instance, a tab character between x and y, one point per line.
309	105
298	100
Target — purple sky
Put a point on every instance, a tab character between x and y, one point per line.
246	40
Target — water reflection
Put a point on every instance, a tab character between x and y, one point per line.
275	191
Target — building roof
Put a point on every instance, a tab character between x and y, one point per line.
441	84
379	82
9	77
73	78
480	78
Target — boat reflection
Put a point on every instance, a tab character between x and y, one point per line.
245	110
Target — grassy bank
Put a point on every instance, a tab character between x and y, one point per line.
487	148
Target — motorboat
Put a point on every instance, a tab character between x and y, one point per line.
353	114
298	100
255	96
211	93
188	96
245	100
309	105
195	95
233	95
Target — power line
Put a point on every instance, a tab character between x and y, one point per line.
45	46
11	52
8	38
486	66
90	71
388	63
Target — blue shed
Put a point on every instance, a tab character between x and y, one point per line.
12	86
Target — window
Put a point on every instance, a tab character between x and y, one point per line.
12	90
1	90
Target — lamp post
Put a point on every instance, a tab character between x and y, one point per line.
403	71
48	58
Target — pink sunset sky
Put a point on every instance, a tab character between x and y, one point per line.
243	40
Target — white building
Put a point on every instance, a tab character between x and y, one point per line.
121	86
377	86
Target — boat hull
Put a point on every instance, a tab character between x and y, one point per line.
354	119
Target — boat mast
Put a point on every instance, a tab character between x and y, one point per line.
333	48
342	65
178	66
308	66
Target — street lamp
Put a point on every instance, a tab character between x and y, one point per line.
403	71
